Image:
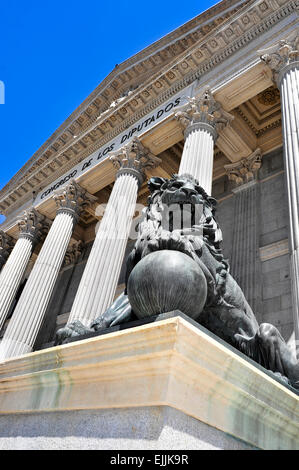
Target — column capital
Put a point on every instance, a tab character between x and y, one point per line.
73	253
73	199
33	225
133	158
6	245
243	173
203	112
282	57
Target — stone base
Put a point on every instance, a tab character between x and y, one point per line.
152	386
150	428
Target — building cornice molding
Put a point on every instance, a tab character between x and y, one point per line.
160	87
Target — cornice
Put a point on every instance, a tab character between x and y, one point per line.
176	75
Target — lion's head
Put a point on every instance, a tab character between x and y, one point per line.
180	204
179	189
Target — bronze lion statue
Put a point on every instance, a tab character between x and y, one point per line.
180	217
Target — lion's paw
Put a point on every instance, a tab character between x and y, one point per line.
71	330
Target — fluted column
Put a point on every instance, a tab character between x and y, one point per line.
25	323
31	228
245	259
283	59
99	281
6	246
202	118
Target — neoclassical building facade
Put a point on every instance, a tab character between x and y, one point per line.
218	99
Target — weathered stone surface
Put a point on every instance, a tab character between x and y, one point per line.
170	362
149	428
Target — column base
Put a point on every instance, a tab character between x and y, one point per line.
169	363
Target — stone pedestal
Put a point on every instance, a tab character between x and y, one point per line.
31	227
192	391
202	118
6	246
99	281
283	59
27	318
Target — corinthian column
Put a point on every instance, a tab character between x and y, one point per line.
31	229
25	323
202	118
99	281
6	245
283	59
245	259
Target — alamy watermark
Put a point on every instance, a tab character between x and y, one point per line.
2	92
121	220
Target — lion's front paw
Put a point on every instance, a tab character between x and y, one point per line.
101	323
71	331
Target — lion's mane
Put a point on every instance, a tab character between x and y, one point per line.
205	234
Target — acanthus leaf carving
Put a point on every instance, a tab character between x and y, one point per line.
33	225
282	55
203	111
6	245
134	158
245	170
73	199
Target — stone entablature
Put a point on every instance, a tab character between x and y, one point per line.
212	46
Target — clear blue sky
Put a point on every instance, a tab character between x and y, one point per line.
54	53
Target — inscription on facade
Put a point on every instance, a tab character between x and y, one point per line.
140	127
